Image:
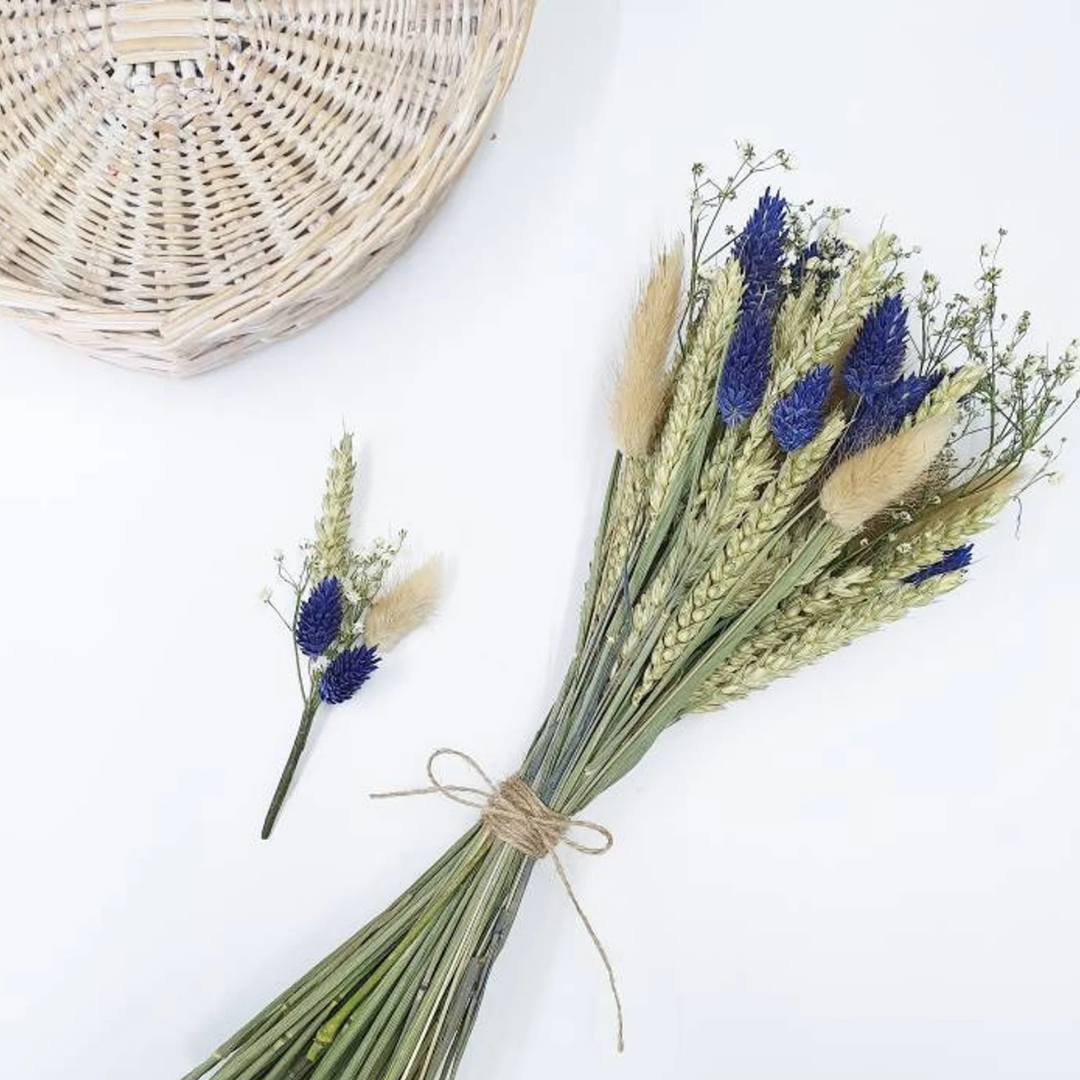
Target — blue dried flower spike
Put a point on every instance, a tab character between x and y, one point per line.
799	415
880	414
346	673
957	559
760	248
878	353
745	374
760	251
320	618
801	265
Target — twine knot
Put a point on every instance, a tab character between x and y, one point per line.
515	815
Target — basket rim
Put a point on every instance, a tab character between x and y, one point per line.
163	334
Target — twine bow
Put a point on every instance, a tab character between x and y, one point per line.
515	815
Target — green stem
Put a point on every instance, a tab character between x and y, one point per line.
311	707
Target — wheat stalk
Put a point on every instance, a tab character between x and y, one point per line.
799	642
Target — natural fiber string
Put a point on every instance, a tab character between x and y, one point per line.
514	814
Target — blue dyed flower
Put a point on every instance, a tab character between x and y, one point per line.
957	559
798	416
802	264
881	414
745	373
878	353
320	618
825	272
760	251
346	673
760	247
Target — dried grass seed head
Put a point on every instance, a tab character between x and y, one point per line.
863	485
641	388
405	606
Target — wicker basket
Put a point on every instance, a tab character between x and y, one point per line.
183	180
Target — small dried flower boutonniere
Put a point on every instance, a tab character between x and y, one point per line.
342	618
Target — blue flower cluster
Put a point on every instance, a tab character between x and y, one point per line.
346	673
760	251
871	372
320	618
878	353
317	628
760	246
798	416
745	374
957	559
802	264
880	414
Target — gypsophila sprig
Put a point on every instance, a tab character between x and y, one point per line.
1014	406
810	465
332	596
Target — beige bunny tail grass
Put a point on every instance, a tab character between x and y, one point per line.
404	606
868	482
641	389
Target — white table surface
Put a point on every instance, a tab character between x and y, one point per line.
872	871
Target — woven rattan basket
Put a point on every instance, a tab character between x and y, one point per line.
183	180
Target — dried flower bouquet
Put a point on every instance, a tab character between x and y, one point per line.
810	466
342	619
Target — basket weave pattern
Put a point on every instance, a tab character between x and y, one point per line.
183	180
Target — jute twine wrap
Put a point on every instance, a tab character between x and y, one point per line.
184	180
515	815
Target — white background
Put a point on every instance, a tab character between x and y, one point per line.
872	870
